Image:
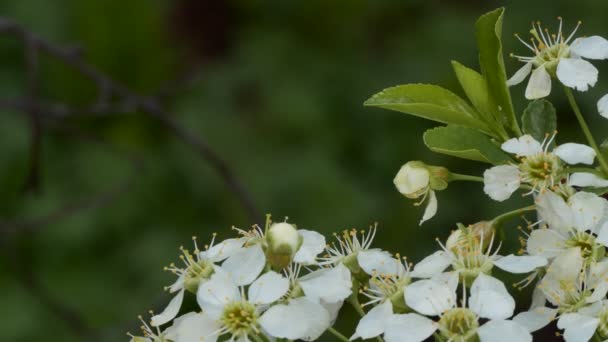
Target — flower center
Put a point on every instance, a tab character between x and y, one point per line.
590	250
240	318
390	287
459	324
541	170
197	271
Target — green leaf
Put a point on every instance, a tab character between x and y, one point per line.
476	89
539	119
465	143
429	102
489	30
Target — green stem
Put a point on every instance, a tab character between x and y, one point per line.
460	177
498	220
585	128
338	334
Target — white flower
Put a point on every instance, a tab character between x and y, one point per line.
227	310
554	56
489	299
414	181
582	325
538	168
585	179
602	106
199	266
154	333
348	246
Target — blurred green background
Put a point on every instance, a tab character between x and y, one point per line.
276	88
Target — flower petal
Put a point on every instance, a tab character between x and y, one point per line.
431	265
594	47
219	290
412	178
501	181
520	264
313	244
546	243
573	153
585	179
431	207
577	327
300	319
554	211
525	146
429	297
330	284
170	311
223	250
377	261
576	73
195	327
372	324
246	264
603	235
602	106
268	288
562	274
520	75
490	298
503	331
587	210
408	328
539	85
536	318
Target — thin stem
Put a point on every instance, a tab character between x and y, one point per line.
498	220
585	128
460	177
338	334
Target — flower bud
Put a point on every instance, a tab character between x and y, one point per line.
415	179
283	241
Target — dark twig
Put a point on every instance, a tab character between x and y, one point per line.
32	182
149	105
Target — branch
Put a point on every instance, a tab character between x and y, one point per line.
32	182
109	88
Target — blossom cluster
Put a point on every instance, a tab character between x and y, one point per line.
283	283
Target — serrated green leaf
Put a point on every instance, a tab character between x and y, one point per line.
489	31
476	89
465	143
539	119
430	102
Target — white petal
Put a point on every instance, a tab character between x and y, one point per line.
520	75
546	243
525	145
597	279
195	327
536	318
299	319
372	324
377	261
587	210
490	298
268	288
573	153
408	328
562	273
577	327
170	311
451	279
520	264
412	178
213	294
503	331
313	244
431	265
602	106
246	264
539	85
576	73
331	285
603	235
333	309
179	284
501	181
429	297
538	299
584	179
554	211
223	250
431	207
594	47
